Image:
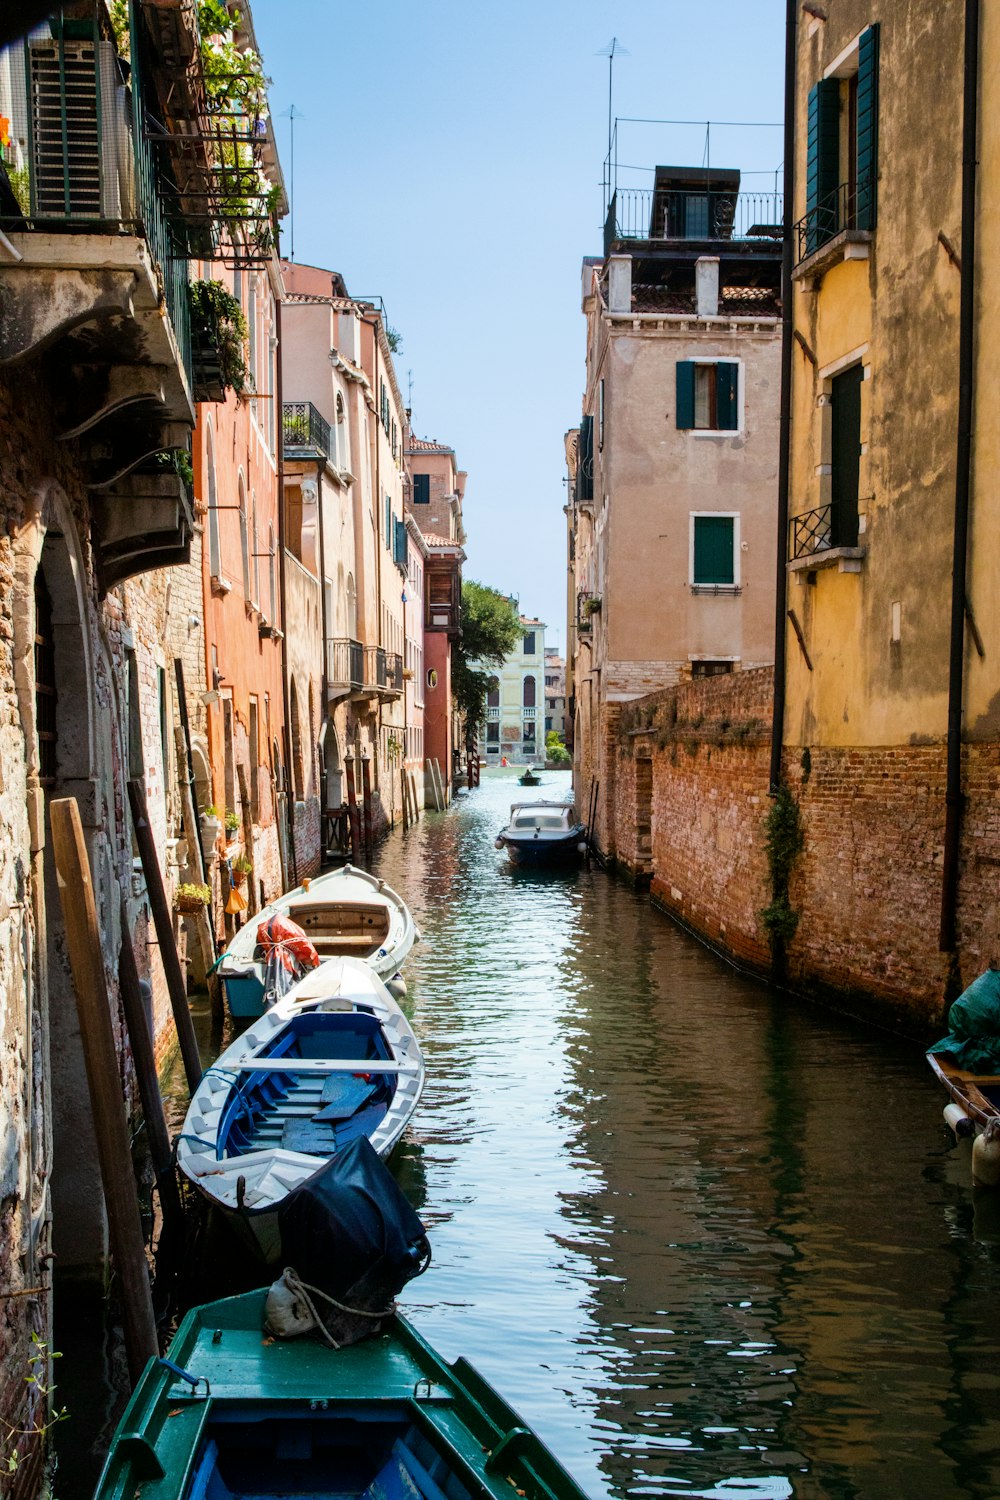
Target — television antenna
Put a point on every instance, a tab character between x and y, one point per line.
291	115
613	49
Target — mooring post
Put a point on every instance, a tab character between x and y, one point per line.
366	792
352	809
93	1004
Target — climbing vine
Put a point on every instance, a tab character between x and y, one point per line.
784	844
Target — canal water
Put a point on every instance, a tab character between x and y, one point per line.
708	1240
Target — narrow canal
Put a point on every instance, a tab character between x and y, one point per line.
709	1241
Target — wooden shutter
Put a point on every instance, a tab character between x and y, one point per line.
713	549
685	393
822	162
421	489
388	520
867	127
585	460
727	384
399	548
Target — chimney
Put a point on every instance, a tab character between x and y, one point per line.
619	283
706	286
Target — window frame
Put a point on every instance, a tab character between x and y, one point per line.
734	515
716	360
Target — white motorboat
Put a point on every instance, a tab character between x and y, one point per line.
335	1058
344	914
543	833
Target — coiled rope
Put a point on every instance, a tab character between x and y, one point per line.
301	1289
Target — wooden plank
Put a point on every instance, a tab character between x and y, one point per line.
93	1003
246	811
176	985
317	1065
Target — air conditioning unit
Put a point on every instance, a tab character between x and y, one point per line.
81	158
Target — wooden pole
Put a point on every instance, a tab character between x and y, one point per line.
352	810
405	798
246	810
144	1059
413	796
366	792
93	1004
176	987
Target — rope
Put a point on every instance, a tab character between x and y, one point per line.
300	1288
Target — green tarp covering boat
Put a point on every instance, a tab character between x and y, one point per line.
236	1414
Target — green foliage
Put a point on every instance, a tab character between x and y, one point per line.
37	1376
394	339
232	821
20	185
189	894
217	322
490	631
244	864
785	841
555	750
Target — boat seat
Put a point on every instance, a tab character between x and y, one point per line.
324	1138
343	1095
330	945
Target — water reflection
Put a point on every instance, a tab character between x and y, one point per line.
709	1242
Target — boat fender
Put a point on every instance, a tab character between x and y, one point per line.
286	1314
396	987
581	847
957	1120
986	1156
498	843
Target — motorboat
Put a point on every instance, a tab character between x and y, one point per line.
345	913
333	1060
530	777
541	833
234	1411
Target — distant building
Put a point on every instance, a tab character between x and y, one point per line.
515	704
674	467
555	692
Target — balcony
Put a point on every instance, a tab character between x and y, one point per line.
838	228
304	432
528	713
690	215
826	537
492	711
345	667
383	673
587	606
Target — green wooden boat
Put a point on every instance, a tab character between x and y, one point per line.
237	1415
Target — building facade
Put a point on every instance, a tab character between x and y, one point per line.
674	467
514	727
555	692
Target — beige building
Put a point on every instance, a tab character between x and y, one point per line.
515	704
555	692
674	467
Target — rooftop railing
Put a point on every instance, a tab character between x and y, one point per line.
687	214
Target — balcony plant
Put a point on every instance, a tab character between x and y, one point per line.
191	898
241	867
232	823
592	606
220	334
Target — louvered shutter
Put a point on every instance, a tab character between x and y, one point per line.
713	550
727	380
585	463
399	545
867	138
822	163
685	393
421	489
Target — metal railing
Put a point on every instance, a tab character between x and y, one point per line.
345	664
383	670
304	431
833	525
687	214
528	713
849	206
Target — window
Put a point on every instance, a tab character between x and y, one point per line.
341	455
254	553
708	395
493	732
585	460
45	683
845	453
400	543
214	549
713	551
271	591
254	751
528	692
841	194
528	646
493	693
711	668
244	540
388	521
421	489
600	415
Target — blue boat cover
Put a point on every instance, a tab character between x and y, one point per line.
349	1231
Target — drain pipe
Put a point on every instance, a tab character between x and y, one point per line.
279	395
966	375
785	418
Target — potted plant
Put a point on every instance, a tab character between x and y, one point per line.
211	826
232	823
219	336
241	867
592	606
191	898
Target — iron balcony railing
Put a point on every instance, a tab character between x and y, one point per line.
833	525
78	157
305	433
383	670
687	214
345	665
849	206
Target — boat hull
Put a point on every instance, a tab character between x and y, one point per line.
536	852
274	1418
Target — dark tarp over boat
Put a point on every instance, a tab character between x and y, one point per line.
973	1043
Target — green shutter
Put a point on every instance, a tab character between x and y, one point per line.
727	384
388	520
822	163
685	393
713	549
867	139
585	460
421	489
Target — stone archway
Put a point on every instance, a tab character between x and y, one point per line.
55	675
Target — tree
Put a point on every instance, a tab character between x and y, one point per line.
556	750
490	631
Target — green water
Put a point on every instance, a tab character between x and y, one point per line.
710	1242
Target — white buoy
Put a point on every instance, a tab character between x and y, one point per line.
986	1156
957	1120
396	987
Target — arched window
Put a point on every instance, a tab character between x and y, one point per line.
244	539
340	435
214	549
352	608
254	551
493	693
272	613
528	694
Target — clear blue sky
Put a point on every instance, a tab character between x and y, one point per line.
449	159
